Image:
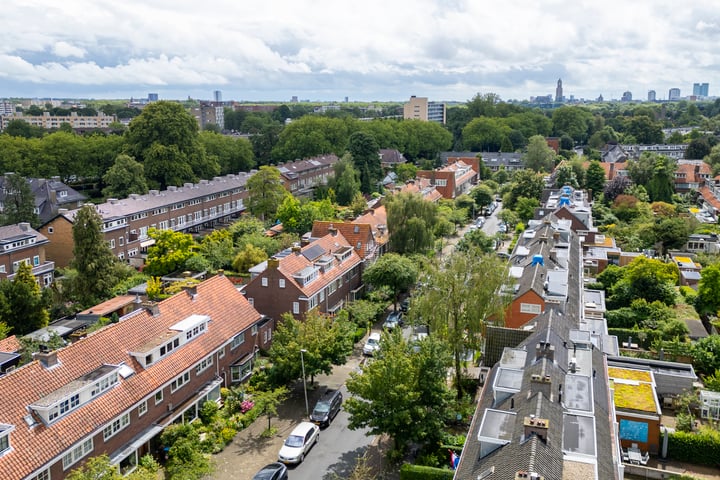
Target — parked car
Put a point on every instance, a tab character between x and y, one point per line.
404	305
393	320
299	443
502	228
372	344
326	408
272	471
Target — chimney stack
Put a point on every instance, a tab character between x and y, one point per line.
46	357
24	226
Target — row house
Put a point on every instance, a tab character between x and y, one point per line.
50	195
545	258
114	391
690	175
391	158
451	180
367	234
302	176
672	150
494	161
47	121
544	410
190	208
23	244
421	186
324	275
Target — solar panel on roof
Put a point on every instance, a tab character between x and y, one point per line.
313	252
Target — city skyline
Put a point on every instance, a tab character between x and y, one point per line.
446	50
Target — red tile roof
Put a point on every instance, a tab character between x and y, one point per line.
709	197
34	447
329	244
110	306
377	219
355	234
10	344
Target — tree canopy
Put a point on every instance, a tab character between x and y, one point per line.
265	192
393	271
411	221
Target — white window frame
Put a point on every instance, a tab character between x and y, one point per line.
158	397
296	308
203	365
142	408
179	382
237	340
221	352
44	475
115	426
77	453
281	283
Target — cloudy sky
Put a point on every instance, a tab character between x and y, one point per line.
370	50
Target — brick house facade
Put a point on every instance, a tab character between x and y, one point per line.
452	180
324	274
126	222
22	244
115	390
302	176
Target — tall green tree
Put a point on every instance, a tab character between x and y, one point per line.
525	183
326	342
415	407
539	157
411	221
169	253
100	468
346	180
165	137
707	302
97	268
126	176
265	192
19	203
22	304
577	122
233	154
393	271
364	151
595	178
462	294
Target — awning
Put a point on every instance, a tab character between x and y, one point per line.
136	443
147	243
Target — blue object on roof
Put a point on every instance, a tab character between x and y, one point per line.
537	260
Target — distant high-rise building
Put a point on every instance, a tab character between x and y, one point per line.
418	108
674	94
217	95
701	89
626	96
651	96
152	97
558	91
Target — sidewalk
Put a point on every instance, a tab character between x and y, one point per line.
250	451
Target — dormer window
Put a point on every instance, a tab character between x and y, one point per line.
5	437
306	275
175	337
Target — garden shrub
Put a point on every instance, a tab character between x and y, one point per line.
420	472
701	448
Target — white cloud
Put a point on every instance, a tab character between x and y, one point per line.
64	49
372	50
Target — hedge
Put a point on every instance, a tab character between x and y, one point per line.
701	448
418	472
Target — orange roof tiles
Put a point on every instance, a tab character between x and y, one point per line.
110	306
709	197
355	234
34	447
293	263
10	344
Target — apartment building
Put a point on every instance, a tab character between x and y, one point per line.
22	244
323	275
115	390
47	121
190	208
302	176
419	108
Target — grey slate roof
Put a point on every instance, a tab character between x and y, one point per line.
50	195
119	208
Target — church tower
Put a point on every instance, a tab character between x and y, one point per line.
558	91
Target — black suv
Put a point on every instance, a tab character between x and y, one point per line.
326	408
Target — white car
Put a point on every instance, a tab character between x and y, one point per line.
301	439
372	344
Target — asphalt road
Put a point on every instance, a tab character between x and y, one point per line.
335	455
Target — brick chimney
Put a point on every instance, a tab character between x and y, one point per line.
46	358
536	426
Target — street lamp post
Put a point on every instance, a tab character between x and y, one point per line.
302	363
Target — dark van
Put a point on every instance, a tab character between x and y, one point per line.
326	408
